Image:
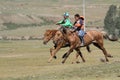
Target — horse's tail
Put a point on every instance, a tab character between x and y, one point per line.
105	36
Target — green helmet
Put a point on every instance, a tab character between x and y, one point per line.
66	14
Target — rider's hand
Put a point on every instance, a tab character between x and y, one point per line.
57	24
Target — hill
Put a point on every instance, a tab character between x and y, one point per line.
26	13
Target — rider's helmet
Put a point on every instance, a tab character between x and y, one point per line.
66	14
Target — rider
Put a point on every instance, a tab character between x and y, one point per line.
79	26
66	23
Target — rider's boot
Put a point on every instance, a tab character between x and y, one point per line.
82	41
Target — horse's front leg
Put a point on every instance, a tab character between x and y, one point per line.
68	53
53	53
51	50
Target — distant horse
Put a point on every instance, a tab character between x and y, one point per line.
92	36
49	35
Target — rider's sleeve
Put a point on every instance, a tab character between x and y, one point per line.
60	22
67	23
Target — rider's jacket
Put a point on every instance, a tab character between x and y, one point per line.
79	24
65	23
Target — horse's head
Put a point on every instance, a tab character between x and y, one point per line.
49	34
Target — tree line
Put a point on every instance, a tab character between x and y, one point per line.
112	20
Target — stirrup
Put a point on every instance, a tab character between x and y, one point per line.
82	44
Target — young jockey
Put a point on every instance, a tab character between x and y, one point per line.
79	26
66	23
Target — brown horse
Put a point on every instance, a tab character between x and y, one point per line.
49	35
92	36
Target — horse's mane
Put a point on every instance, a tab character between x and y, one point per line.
53	31
71	32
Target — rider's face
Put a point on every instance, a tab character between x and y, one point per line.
65	17
76	18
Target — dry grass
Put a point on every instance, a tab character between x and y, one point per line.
27	60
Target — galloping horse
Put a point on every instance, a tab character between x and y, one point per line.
48	35
92	36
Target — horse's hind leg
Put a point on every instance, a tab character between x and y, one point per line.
105	53
76	58
79	52
100	46
97	45
88	49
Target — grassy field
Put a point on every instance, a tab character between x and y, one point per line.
27	60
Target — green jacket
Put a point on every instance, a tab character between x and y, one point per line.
66	23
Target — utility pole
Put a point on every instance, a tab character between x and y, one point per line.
84	15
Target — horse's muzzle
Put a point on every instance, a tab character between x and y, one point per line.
55	42
44	42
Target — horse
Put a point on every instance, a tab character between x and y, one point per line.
91	37
49	35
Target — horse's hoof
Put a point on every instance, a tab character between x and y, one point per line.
102	60
90	51
84	61
77	62
48	61
55	57
63	62
72	63
107	60
109	56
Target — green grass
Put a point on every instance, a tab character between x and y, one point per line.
27	60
